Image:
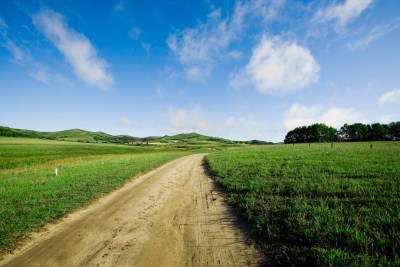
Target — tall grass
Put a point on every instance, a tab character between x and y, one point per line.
32	195
317	205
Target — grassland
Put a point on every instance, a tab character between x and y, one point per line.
318	205
32	195
83	136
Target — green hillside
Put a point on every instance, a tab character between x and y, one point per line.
83	136
193	138
78	135
74	135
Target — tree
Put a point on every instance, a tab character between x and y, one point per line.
378	132
357	132
394	130
343	134
317	132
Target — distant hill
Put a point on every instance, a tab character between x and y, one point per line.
193	138
75	135
78	135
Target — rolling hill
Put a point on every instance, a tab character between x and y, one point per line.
78	135
75	135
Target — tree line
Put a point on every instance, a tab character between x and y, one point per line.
357	132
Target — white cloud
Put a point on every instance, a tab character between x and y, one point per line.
278	67
374	34
197	49
200	48
390	97
336	116
181	120
75	47
342	13
299	115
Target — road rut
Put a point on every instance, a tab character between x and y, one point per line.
172	216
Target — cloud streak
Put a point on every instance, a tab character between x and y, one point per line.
390	97
20	55
374	34
77	50
342	13
23	57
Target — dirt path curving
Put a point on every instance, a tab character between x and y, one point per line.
172	216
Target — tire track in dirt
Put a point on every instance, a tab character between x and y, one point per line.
172	216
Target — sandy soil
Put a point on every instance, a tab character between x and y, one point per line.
172	216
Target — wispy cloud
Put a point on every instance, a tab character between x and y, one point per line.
278	67
300	115
20	54
146	47
76	49
135	33
374	34
199	49
390	97
23	57
3	24
342	13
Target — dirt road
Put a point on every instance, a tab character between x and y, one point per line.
172	216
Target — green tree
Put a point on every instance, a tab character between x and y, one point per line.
394	130
317	132
378	132
357	132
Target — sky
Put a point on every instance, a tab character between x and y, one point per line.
241	70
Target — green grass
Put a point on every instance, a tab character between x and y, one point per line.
22	153
317	205
31	195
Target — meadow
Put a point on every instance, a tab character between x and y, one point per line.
317	204
31	195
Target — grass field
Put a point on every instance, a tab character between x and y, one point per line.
32	195
316	204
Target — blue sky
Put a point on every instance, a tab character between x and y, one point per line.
235	69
